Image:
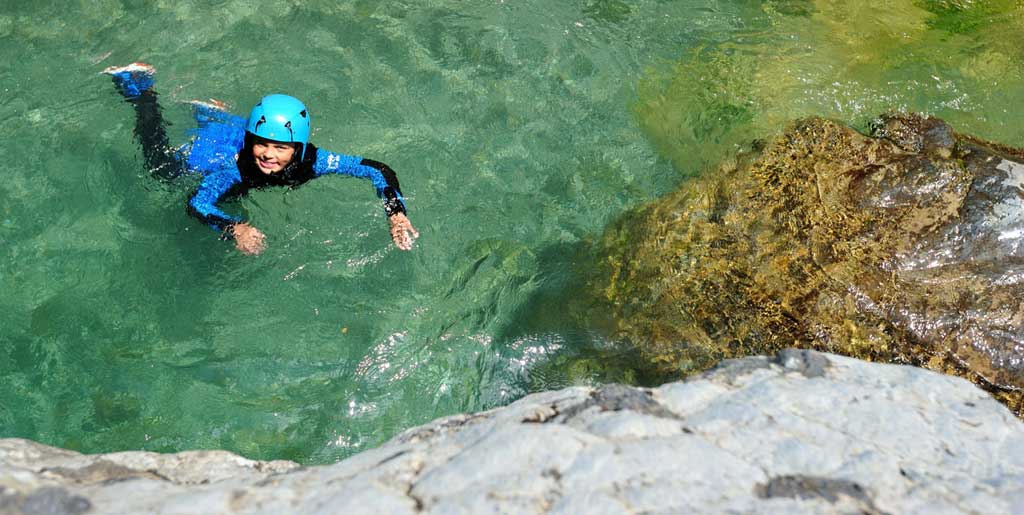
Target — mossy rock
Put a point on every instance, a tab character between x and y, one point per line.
906	246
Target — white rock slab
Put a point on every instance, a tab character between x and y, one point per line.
801	432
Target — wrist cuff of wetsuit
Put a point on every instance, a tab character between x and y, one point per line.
227	232
393	209
392	204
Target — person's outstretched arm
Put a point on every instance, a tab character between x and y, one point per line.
385	182
203	205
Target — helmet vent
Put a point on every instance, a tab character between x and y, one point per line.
262	120
303	113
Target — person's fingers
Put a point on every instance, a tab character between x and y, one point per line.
402	232
407	226
249	240
401	239
246	249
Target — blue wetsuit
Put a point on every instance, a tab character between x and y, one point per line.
221	151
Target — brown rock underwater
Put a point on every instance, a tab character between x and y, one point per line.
905	246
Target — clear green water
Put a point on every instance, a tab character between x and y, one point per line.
518	129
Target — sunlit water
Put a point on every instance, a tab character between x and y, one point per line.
518	130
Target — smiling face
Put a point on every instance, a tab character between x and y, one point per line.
272	156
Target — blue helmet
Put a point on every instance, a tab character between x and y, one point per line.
280	118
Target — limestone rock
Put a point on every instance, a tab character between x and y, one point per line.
800	432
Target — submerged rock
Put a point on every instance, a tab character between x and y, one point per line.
907	247
800	432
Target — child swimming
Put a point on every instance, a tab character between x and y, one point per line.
236	155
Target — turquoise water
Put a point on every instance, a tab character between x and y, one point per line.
518	130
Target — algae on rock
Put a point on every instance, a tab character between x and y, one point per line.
905	247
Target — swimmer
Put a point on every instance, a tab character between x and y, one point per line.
236	155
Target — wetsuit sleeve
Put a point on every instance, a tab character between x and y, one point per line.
384	179
203	204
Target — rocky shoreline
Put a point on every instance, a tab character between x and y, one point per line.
800	432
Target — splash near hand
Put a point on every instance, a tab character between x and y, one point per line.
402	231
248	239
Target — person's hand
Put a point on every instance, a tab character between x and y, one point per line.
402	231
248	239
